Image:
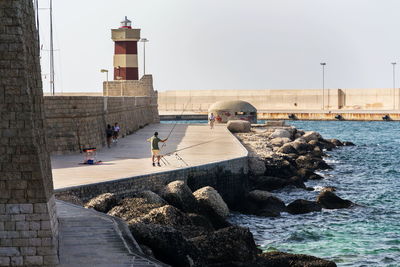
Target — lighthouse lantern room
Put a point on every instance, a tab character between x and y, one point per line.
125	52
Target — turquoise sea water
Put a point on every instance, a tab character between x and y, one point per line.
367	174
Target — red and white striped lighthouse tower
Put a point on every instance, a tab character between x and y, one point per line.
125	53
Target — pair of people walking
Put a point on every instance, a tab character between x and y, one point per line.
112	134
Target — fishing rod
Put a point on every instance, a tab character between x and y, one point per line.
184	108
202	143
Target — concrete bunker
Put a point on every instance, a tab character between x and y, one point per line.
233	110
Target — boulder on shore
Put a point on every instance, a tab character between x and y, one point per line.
329	200
102	203
307	174
208	196
267	183
69	198
239	126
281	259
279	141
179	195
131	208
308	136
256	166
282	133
301	206
336	142
279	167
212	206
167	244
348	143
151	197
262	203
227	246
165	215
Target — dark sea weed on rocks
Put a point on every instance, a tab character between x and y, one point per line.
367	174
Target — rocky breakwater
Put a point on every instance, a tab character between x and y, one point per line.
184	228
286	157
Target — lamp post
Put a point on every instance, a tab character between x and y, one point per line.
394	83
144	41
323	64
105	71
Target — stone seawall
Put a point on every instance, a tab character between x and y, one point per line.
227	177
76	122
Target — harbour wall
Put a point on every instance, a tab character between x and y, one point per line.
76	122
198	101
227	177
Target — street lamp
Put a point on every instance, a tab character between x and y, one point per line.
323	64
105	71
144	41
394	83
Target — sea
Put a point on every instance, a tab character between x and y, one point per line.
367	174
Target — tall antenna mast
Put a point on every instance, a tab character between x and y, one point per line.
51	50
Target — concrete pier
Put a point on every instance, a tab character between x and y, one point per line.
195	144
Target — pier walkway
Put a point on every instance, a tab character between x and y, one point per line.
196	144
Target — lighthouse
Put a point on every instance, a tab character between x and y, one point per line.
125	52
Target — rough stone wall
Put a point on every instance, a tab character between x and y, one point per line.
28	223
75	122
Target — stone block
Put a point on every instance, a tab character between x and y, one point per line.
46	251
33	260
9	251
28	251
17	261
2	206
22	226
40	207
28	234
45	225
9	226
34	225
1	226
5	261
12	209
26	208
35	242
17	217
45	233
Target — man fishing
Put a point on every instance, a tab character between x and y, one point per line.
155	150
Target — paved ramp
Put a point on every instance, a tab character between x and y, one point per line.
89	238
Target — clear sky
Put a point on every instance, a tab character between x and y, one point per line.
229	44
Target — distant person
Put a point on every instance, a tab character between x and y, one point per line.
109	135
211	119
116	132
155	150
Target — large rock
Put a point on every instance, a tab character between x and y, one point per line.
178	194
152	197
301	206
287	149
301	146
167	244
279	167
208	196
279	141
308	136
307	174
165	215
282	133
348	143
102	203
336	142
313	163
268	183
239	126
281	259
262	203
256	166
131	208
329	200
212	206
227	246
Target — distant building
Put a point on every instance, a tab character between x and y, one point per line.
233	110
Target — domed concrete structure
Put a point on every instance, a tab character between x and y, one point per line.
233	110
